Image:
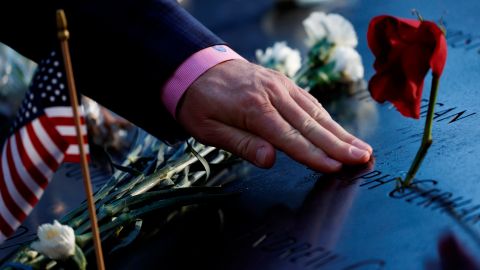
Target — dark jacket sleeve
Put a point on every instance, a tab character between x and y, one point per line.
123	51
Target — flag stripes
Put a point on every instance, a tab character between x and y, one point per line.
29	159
13	200
62	118
19	184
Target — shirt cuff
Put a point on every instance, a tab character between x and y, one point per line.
190	70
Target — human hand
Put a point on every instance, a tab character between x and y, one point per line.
250	110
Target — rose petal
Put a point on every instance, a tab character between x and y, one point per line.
404	51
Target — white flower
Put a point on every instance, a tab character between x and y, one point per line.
57	241
281	58
348	63
334	27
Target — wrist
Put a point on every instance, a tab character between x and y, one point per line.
190	70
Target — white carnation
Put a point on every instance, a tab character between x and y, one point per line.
348	63
56	241
280	57
334	27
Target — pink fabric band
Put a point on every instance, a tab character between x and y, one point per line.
190	70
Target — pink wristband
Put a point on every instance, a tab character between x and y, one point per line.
190	70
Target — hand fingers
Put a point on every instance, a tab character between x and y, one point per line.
311	105
317	134
241	143
267	123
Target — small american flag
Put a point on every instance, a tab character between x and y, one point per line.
42	137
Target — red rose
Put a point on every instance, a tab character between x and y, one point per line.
405	50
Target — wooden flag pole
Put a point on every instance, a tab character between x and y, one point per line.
63	36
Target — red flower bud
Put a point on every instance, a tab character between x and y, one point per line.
405	50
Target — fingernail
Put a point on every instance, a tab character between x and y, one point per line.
357	153
261	156
362	145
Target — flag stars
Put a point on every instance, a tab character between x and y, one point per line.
47	89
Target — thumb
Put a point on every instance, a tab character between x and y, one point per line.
244	144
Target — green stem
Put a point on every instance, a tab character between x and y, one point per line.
103	200
140	185
75	217
128	202
85	238
427	133
118	192
168	171
304	69
125	204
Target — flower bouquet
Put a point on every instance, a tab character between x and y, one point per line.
332	68
332	72
154	179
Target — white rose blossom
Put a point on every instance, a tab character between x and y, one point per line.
56	241
281	58
348	63
334	27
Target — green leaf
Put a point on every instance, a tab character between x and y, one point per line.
75	262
